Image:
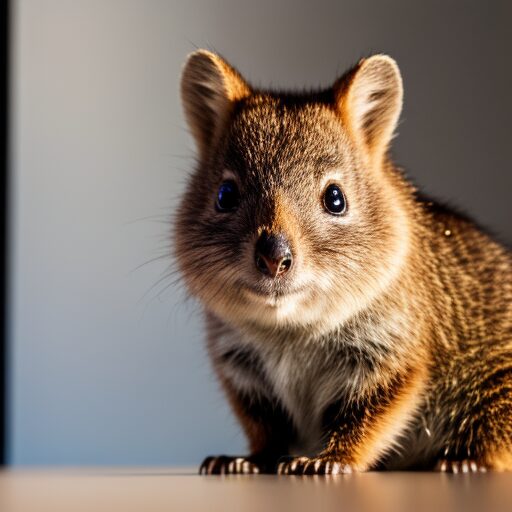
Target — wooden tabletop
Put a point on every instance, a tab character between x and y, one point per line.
169	490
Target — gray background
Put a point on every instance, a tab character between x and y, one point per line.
107	360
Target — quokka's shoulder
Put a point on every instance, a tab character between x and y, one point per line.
464	237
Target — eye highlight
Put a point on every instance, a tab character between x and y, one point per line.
334	200
228	197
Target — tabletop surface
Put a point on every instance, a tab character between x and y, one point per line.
171	489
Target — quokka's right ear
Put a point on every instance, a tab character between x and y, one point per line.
209	89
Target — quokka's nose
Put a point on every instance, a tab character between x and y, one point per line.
273	256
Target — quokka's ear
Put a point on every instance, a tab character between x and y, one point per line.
209	89
370	101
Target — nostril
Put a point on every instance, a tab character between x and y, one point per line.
271	267
285	265
273	256
261	264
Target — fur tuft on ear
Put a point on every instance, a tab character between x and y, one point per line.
209	89
370	101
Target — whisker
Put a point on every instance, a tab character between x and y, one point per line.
152	260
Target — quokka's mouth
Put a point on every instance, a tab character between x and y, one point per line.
272	297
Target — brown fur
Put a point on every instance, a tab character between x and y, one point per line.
389	342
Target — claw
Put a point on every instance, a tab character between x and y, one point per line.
460	466
314	466
223	465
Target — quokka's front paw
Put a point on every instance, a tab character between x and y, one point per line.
225	465
312	466
460	466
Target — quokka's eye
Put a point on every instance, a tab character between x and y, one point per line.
227	197
334	200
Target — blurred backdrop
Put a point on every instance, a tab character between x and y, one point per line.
106	359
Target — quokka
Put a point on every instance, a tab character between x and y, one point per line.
353	323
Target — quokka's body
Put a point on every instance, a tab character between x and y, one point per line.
353	324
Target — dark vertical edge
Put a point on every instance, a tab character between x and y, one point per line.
4	151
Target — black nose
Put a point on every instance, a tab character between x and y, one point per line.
273	255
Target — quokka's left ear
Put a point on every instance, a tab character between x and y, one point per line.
369	98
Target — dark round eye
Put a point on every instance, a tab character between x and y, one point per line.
334	200
227	197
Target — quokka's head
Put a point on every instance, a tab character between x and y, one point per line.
292	217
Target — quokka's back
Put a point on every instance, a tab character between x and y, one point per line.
352	323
